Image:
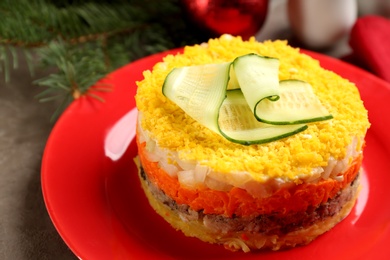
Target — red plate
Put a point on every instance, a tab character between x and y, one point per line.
93	194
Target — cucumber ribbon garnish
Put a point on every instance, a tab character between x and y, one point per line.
243	100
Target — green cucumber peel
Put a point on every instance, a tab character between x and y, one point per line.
243	100
297	105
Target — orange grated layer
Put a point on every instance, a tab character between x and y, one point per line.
238	201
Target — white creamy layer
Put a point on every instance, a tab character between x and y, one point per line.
194	175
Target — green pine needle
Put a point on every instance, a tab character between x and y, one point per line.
84	40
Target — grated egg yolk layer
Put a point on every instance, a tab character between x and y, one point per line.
288	158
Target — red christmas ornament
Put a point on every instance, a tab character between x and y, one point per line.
237	17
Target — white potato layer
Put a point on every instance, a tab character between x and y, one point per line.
194	175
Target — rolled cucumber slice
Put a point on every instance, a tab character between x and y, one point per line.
297	105
242	100
199	91
258	77
237	123
259	81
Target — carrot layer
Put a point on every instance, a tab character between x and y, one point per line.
238	201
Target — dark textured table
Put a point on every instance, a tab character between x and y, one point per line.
26	231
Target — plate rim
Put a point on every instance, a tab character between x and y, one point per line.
74	106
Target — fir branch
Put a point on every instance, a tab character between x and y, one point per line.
8	60
34	24
85	40
79	68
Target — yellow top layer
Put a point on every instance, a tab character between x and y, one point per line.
287	158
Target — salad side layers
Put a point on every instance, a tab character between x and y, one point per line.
248	195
